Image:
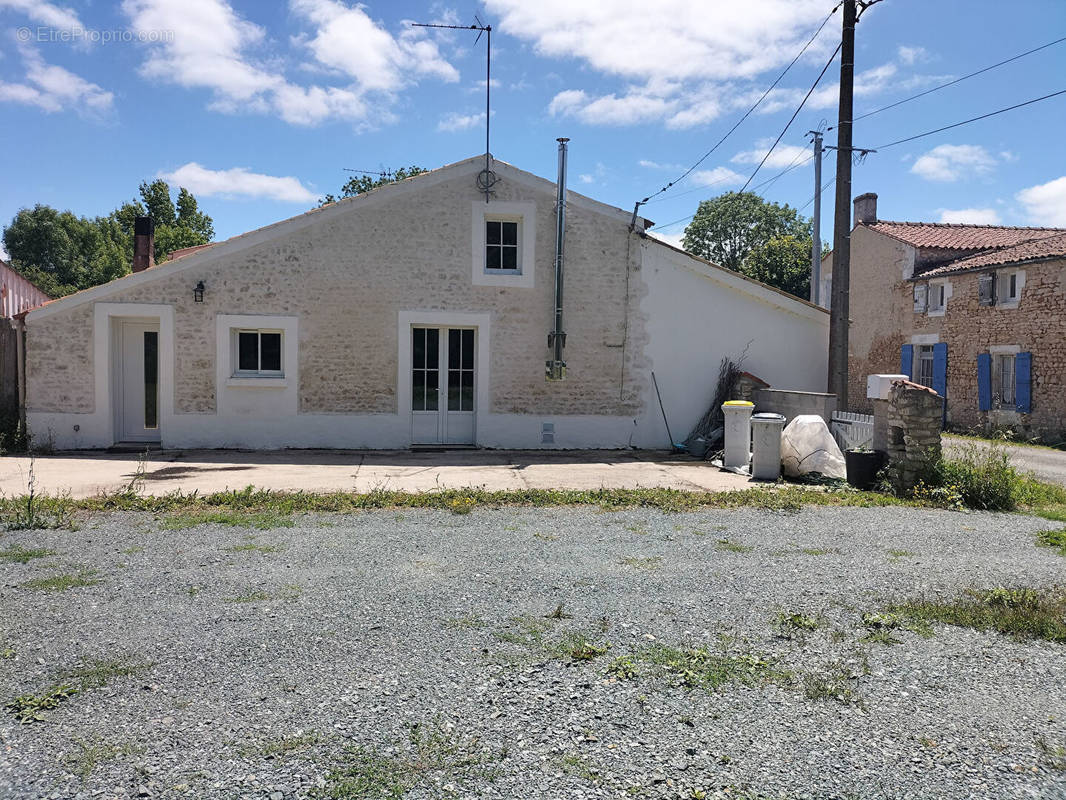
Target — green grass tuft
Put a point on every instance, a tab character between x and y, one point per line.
22	555
726	546
260	520
63	581
1023	613
1053	539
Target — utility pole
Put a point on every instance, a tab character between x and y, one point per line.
838	310
816	234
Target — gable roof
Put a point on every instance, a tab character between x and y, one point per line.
1043	248
190	257
952	236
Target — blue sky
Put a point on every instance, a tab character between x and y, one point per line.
258	108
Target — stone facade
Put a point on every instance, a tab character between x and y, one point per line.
911	418
883	319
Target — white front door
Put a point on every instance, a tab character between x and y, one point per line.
442	385
137	381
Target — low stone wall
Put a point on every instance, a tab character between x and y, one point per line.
910	423
793	404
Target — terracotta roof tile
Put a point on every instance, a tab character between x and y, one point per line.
950	236
1044	247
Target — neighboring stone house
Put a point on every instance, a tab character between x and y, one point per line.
977	312
415	314
17	294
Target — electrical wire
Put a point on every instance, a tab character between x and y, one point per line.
795	113
953	82
972	119
747	113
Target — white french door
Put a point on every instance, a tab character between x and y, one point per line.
443	394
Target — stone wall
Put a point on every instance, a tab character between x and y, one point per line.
913	417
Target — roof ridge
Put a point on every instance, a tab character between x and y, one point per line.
965	225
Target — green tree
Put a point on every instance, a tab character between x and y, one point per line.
62	252
784	262
763	240
364	183
726	228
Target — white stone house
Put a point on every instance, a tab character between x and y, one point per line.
415	314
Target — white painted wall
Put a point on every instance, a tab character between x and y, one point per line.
697	314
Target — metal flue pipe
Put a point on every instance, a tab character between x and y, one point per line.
556	370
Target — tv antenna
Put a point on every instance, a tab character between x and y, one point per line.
486	178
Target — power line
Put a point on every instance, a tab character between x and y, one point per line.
795	113
957	80
747	113
972	119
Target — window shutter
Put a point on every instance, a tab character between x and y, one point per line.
906	360
1023	391
984	381
986	289
921	298
940	369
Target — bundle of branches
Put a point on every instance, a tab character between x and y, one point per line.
711	426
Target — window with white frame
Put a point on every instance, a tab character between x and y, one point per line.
1009	289
257	353
937	296
923	365
502	245
1005	380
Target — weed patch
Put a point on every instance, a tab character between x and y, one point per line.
727	546
1053	539
794	625
434	752
649	563
29	708
834	682
22	555
280	748
1023	613
260	520
63	581
91	754
880	626
698	667
821	551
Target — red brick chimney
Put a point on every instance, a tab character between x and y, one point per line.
866	209
143	244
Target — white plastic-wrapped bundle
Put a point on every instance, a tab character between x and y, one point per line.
807	446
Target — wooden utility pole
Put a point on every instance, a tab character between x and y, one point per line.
838	309
816	233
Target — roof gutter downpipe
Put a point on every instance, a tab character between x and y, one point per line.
556	367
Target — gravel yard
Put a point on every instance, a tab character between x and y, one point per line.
525	653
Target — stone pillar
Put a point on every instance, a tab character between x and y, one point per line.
913	416
880	442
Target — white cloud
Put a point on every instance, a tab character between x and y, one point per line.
911	55
1046	203
949	162
53	88
239	182
586	178
657	165
713	177
675	239
784	155
629	109
213	47
460	122
970	216
45	13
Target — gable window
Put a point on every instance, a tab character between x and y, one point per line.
257	352
501	245
937	296
1009	289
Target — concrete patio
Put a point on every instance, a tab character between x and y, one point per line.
83	474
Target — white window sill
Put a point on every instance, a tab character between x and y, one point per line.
499	277
1008	304
238	381
936	312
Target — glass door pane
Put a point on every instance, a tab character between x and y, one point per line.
151	379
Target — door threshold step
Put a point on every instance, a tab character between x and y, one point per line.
135	447
440	448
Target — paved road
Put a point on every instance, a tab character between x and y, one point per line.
1047	464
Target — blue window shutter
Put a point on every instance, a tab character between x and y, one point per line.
984	381
906	360
1023	392
940	369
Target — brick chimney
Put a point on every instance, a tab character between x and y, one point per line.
866	209
143	244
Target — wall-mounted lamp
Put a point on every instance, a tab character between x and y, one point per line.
198	292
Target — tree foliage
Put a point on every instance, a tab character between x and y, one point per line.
364	183
62	252
763	240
